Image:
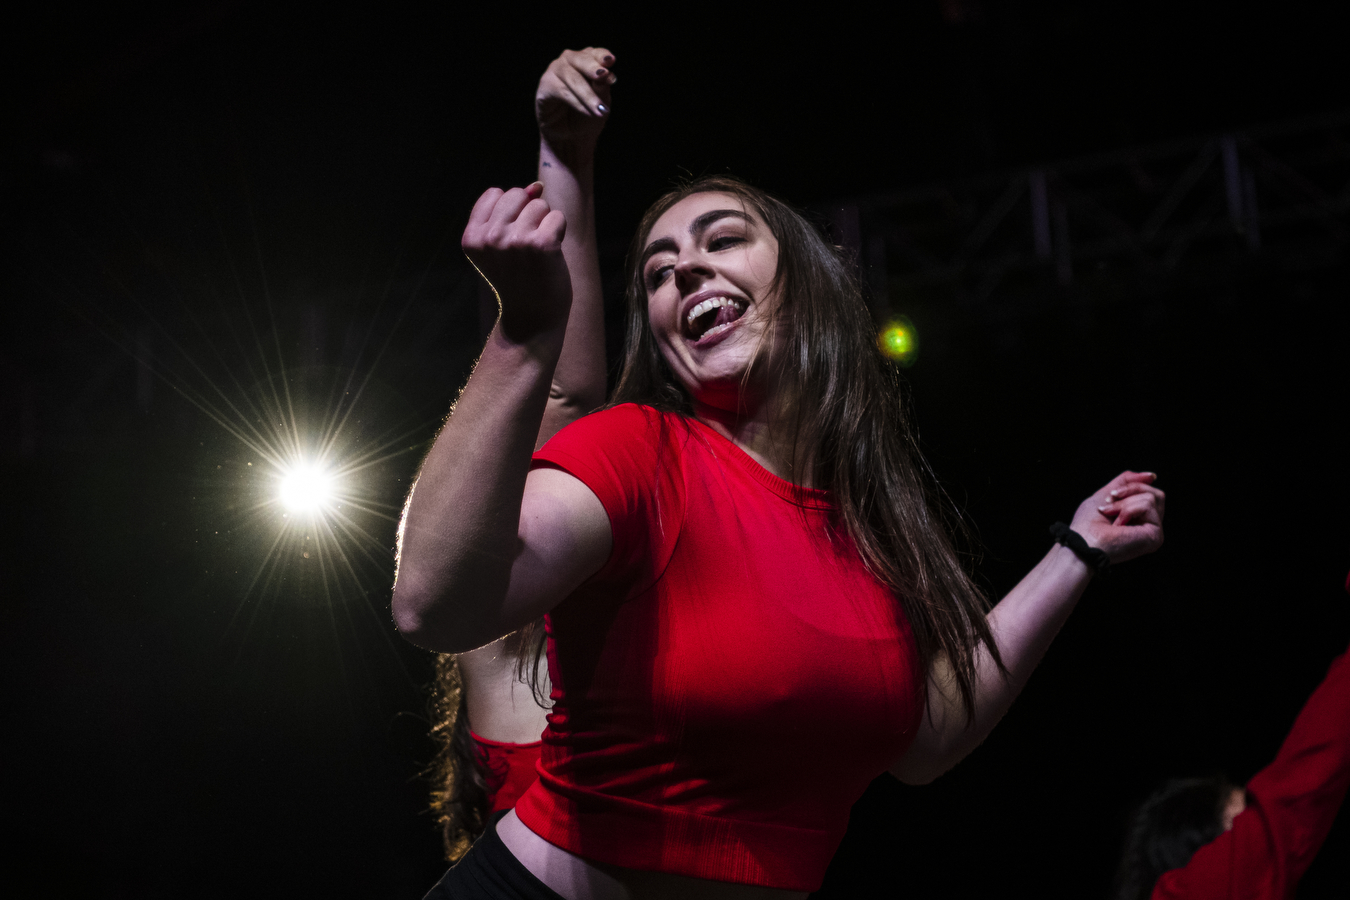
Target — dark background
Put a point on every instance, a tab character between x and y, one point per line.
208	208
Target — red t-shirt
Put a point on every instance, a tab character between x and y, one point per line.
729	682
1291	805
510	769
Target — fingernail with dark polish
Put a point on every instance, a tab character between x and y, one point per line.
599	73
604	110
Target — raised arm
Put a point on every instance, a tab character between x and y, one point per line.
572	106
482	548
1125	520
1291	807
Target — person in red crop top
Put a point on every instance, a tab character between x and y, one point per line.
477	774
486	719
1203	838
739	561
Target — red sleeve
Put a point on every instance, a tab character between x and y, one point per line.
628	456
1291	805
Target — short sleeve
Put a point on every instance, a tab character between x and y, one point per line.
629	456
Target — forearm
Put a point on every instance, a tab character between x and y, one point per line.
459	534
579	379
1023	625
1026	621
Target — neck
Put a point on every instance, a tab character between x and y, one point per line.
757	433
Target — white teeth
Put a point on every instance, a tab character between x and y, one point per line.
709	305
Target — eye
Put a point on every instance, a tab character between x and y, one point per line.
723	241
658	275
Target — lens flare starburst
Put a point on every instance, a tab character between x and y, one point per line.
307	488
293	411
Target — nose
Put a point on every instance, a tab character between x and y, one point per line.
691	270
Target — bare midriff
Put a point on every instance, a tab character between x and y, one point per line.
579	879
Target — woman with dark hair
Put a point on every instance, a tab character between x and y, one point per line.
744	572
489	704
1178	819
1203	838
486	723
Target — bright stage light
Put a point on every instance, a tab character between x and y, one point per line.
306	488
899	341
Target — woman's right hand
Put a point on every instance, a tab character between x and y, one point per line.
514	239
572	102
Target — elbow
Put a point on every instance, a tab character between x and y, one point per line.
415	621
422	619
407	608
577	400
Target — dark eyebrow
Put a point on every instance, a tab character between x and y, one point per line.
697	227
654	248
701	224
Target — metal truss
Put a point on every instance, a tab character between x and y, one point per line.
1154	210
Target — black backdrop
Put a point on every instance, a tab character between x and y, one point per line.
198	199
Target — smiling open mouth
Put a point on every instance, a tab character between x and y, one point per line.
713	316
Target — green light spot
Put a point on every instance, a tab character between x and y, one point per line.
899	342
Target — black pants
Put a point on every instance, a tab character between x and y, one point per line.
490	872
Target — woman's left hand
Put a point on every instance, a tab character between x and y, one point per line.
1124	518
572	102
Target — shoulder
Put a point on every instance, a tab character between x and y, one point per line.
630	457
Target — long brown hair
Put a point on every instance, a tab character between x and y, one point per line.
847	421
459	789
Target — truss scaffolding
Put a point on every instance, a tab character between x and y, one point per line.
1153	211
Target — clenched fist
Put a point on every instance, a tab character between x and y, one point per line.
514	239
1124	518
